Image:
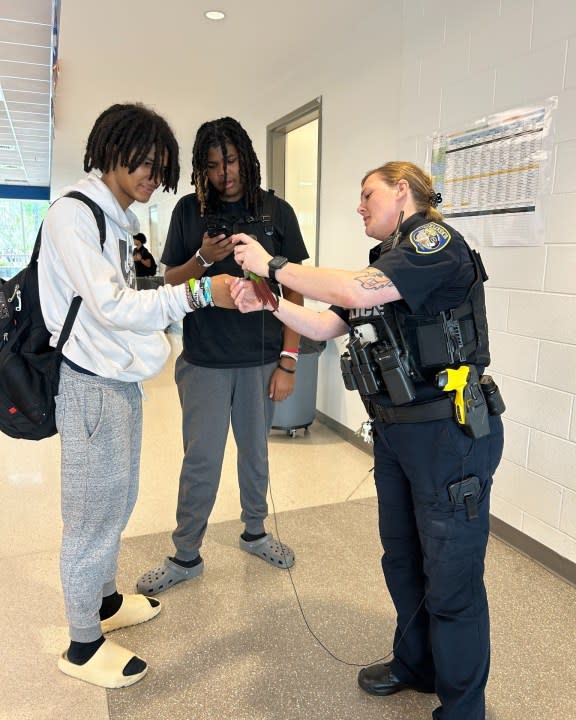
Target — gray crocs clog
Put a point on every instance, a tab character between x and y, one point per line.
274	552
164	577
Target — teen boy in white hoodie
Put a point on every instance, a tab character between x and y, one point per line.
117	341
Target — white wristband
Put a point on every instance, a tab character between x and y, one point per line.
288	354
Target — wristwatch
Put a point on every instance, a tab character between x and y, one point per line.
200	260
275	264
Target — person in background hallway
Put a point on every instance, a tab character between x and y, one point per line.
233	367
415	316
115	343
144	262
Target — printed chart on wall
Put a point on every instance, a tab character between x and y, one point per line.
493	176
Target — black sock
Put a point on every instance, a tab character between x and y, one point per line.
249	538
186	563
112	603
135	666
79	653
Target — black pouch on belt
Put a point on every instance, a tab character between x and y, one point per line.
466	492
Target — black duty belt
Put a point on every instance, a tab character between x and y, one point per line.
434	410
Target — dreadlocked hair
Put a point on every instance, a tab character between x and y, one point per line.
218	134
425	199
125	135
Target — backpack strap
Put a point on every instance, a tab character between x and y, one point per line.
96	210
266	218
98	216
77	300
268	212
36	249
70	317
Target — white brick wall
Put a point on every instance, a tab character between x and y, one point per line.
464	60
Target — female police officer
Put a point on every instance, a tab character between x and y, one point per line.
417	325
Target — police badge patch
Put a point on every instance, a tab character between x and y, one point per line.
429	238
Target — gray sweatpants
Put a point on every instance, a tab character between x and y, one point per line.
210	399
100	426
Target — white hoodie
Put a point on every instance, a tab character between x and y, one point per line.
118	332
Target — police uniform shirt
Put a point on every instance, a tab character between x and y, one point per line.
431	266
219	337
432	269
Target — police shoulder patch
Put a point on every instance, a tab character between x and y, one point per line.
430	238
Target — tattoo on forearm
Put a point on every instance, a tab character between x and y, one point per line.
373	279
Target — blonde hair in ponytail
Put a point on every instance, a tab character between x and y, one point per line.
419	181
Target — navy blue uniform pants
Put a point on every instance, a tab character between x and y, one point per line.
433	558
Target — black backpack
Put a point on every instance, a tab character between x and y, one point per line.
29	365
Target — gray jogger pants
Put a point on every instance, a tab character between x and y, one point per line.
210	399
100	426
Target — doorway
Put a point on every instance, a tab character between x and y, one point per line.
293	167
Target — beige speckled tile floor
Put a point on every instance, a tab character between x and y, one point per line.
232	644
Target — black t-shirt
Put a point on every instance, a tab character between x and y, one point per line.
217	337
432	268
141	269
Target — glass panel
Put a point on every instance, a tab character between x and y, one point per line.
19	223
301	180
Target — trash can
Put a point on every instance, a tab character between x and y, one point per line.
149	283
299	410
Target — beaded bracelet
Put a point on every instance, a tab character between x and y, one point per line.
196	297
199	293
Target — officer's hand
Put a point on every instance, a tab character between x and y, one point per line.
250	255
244	296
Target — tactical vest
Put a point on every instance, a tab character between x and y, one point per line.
392	349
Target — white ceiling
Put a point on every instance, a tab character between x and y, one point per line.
25	76
163	53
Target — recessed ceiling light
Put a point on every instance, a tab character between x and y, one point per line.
214	15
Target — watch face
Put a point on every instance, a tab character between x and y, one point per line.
278	262
275	264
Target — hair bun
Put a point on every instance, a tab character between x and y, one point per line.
435	199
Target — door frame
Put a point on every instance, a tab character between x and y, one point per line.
276	152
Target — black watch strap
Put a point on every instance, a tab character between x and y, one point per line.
276	264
